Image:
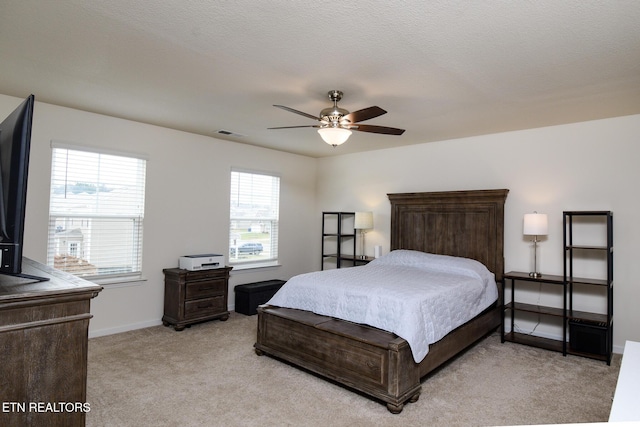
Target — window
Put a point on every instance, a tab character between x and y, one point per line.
96	213
253	232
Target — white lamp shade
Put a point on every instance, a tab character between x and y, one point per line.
535	224
363	220
334	136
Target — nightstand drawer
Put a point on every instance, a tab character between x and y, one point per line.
205	288
214	273
204	307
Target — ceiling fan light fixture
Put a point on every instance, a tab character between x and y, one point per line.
334	135
336	123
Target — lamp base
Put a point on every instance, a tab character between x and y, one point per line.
535	275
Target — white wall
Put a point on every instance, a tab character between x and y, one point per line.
187	203
589	165
583	166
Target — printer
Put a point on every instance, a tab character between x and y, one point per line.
201	262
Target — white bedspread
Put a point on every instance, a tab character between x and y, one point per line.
418	296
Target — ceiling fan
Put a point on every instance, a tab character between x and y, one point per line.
337	123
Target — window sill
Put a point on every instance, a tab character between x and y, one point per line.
247	268
119	282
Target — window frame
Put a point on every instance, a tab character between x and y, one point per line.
137	227
274	223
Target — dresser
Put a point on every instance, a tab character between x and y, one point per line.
195	296
43	344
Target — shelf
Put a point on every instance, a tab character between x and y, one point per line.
534	341
590	334
587	317
545	278
593	333
352	258
338	236
584	247
513	307
603	357
583	281
532	308
588	213
357	258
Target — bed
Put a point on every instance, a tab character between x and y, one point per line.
468	224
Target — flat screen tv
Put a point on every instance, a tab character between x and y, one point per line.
15	143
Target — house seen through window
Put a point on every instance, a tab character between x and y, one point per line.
253	231
96	213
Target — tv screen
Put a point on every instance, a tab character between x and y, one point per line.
15	141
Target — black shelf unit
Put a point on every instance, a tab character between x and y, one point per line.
338	239
590	333
511	308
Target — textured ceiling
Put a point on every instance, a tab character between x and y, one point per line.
442	69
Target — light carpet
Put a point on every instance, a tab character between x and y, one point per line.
209	375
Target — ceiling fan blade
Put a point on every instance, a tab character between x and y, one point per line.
377	129
292	127
297	112
365	114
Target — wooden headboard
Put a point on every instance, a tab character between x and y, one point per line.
468	224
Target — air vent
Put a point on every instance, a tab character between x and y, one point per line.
229	133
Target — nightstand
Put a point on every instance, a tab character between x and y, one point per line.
512	307
195	296
357	259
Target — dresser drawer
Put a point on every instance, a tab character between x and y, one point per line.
205	288
204	307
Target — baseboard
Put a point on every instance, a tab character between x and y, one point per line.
123	328
131	327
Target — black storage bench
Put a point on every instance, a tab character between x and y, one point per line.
251	295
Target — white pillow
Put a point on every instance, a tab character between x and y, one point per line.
434	262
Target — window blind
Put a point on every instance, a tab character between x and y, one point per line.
96	213
254	214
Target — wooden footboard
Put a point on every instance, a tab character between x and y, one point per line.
367	359
361	357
